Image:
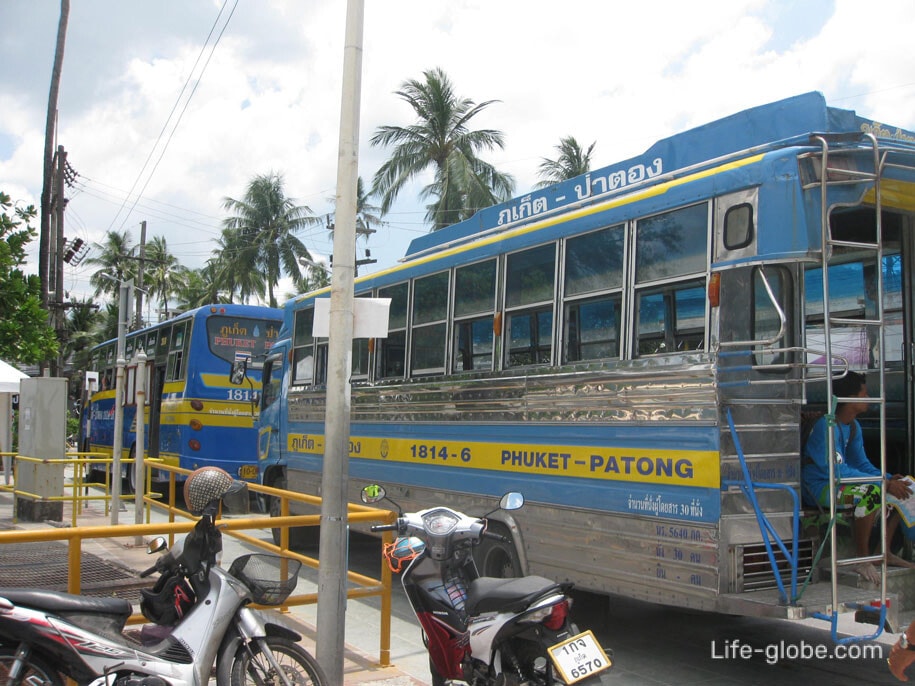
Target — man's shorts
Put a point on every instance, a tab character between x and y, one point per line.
865	498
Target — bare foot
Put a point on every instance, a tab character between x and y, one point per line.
868	572
896	561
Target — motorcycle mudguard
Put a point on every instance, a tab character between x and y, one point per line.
274	625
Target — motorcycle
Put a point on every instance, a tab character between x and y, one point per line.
485	630
200	611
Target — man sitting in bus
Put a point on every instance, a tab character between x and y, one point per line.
852	462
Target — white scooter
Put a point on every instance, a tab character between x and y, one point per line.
201	613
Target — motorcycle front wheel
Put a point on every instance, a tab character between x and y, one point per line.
35	673
251	666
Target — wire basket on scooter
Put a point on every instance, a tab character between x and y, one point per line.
264	575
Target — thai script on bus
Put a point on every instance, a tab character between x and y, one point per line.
881	131
595	183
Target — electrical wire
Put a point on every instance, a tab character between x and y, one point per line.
174	128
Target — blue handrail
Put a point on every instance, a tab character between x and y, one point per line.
748	486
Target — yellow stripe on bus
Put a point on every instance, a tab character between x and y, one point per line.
699	468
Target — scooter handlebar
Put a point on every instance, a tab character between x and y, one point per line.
496	537
147	572
384	527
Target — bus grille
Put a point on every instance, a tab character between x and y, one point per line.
754	571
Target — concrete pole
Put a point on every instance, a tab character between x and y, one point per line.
139	457
117	442
331	614
142	260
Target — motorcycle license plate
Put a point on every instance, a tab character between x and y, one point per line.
579	657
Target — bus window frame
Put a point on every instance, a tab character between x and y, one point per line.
670	285
469	318
611	291
436	327
383	357
535	309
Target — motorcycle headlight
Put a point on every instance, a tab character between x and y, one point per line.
439	522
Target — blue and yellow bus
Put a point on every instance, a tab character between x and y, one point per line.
193	416
633	350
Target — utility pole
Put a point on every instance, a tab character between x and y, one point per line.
332	550
124	295
55	294
139	319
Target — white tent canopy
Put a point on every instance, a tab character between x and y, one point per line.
9	378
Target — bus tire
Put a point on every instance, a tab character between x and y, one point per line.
300	537
498	558
129	482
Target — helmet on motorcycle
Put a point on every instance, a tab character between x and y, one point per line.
168	601
205	485
402	551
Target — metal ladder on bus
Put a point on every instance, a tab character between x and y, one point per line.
830	176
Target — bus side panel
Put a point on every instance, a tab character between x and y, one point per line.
627	454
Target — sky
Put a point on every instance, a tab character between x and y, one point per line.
167	108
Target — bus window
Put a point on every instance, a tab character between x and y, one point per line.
593	264
672	244
175	369
360	367
766	321
592	329
392	360
430	313
473	345
852	291
227	336
530	278
272	376
671	248
474	305
671	318
303	348
530	337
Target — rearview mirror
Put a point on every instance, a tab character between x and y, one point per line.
373	493
511	501
239	372
156	544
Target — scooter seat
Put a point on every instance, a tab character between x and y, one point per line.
65	603
490	594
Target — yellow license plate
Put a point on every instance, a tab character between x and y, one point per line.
248	471
579	657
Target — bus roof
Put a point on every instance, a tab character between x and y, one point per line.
777	124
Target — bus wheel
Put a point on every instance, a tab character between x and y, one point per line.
497	558
300	537
129	482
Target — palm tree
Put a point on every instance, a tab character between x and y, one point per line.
164	273
268	220
199	287
230	267
115	260
441	139
83	330
571	162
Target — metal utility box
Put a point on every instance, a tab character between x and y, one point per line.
43	435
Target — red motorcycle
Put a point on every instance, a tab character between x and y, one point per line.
484	630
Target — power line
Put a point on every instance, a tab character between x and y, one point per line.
164	147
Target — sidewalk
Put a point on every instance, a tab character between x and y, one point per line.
117	561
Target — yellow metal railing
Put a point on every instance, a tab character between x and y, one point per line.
363	586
